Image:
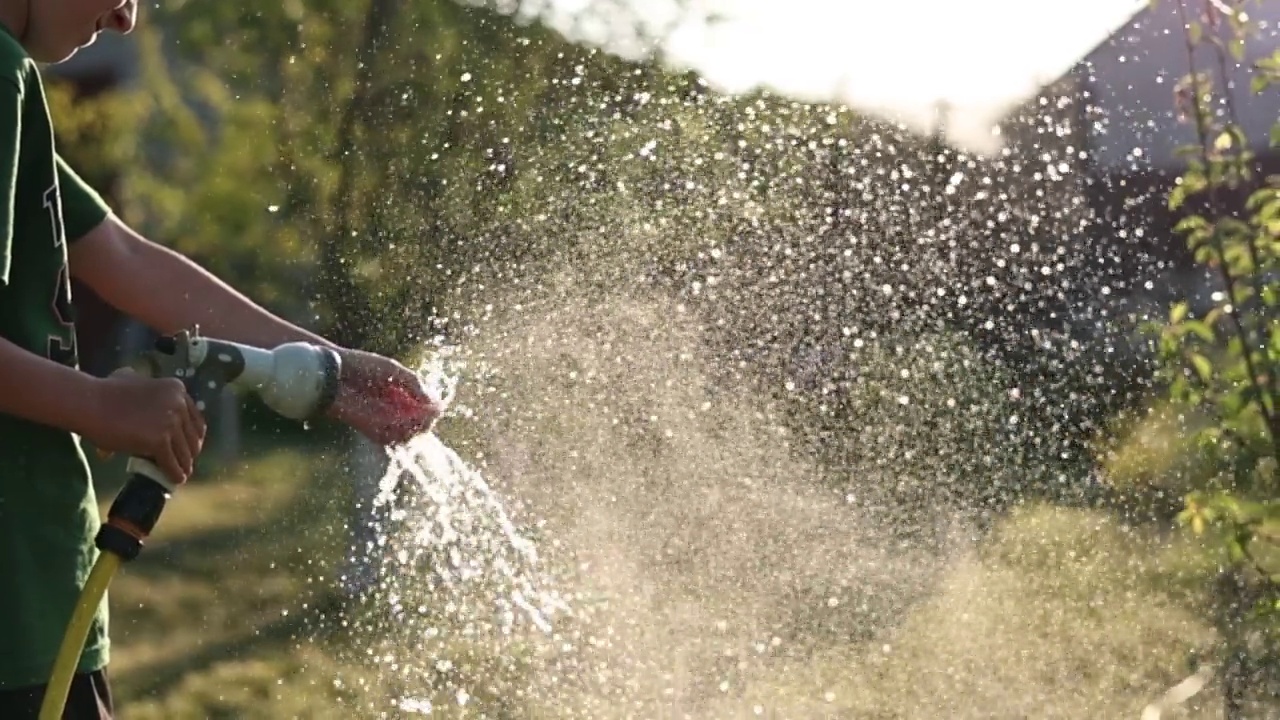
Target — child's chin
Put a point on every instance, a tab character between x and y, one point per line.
62	53
59	55
55	58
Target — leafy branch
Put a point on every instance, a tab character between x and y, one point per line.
1223	363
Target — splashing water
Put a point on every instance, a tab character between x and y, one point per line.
445	520
775	385
455	571
457	530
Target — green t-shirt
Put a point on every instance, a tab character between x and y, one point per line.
48	510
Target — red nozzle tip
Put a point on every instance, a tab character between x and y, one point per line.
408	409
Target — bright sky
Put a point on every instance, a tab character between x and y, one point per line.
898	58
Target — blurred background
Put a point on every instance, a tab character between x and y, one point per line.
805	340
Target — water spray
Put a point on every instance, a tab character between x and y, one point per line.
297	380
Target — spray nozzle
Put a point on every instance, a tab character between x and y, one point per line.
298	380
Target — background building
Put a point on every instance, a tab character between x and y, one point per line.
1113	120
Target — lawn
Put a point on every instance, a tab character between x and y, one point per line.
212	619
709	572
1060	614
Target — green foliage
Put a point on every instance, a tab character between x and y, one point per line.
1221	362
373	168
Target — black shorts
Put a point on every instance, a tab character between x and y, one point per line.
88	699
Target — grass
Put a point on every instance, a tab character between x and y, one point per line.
1065	614
1061	614
211	596
711	574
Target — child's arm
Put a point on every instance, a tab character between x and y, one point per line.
43	391
168	292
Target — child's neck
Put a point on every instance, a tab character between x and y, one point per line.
13	15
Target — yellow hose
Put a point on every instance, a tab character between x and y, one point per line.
64	667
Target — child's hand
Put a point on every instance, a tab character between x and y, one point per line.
382	399
148	418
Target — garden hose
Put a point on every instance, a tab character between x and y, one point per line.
297	380
130	521
64	667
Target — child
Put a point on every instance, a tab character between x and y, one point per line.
52	228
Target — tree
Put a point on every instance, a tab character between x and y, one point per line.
1220	364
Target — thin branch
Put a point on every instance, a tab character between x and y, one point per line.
1254	257
1202	126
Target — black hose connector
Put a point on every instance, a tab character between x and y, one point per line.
132	517
332	363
